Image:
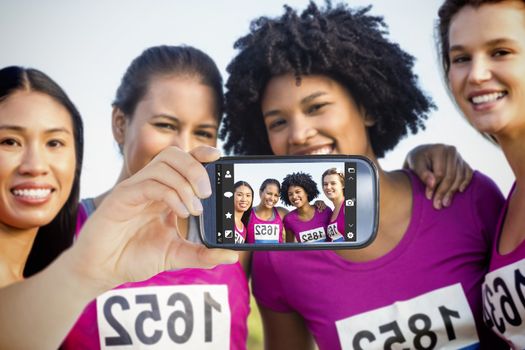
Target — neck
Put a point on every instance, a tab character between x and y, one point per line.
15	245
305	209
514	149
337	201
261	209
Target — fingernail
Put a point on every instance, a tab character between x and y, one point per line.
437	204
429	194
197	206
446	201
204	188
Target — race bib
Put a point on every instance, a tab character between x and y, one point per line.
440	319
165	317
266	233
333	234
311	236
504	302
239	239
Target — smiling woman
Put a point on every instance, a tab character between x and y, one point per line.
41	157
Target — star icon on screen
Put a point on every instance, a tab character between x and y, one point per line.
228	215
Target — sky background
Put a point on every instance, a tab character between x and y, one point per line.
86	47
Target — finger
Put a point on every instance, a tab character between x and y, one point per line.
449	195
467	177
183	254
125	202
190	167
164	174
447	179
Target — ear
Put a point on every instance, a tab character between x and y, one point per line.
118	125
369	120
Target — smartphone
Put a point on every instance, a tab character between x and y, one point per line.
291	202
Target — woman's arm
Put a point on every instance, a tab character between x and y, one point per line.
132	236
442	169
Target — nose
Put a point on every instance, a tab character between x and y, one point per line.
183	140
301	130
479	71
33	162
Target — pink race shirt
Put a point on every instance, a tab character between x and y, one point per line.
423	294
240	235
504	291
183	309
265	231
311	231
336	228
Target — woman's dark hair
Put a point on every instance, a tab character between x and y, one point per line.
301	180
349	46
269	182
246	215
167	60
53	238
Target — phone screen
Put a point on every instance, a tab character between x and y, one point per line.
310	202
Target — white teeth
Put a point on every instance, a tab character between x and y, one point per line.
488	97
324	150
33	193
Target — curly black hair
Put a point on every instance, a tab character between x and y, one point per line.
301	180
349	46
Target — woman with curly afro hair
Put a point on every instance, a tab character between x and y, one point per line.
306	223
328	81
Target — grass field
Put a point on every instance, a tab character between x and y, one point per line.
255	333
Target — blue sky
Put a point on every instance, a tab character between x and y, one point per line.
86	47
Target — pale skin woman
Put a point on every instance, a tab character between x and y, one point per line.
269	197
177	111
487	78
242	202
134	223
333	188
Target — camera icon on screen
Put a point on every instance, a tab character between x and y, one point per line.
350	203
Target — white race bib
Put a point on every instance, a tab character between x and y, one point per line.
266	232
504	302
165	317
239	239
317	234
332	232
440	319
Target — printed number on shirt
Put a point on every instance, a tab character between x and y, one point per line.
266	232
165	317
315	235
504	302
440	319
332	232
239	239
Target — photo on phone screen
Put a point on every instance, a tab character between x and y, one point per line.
291	203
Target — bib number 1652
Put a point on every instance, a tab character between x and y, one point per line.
188	317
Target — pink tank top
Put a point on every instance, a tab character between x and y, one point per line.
262	231
183	309
240	235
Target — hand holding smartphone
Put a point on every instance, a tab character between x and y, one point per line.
292	202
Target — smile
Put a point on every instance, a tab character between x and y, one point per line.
487	98
37	193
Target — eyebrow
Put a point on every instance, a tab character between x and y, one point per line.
177	121
492	42
21	129
304	101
